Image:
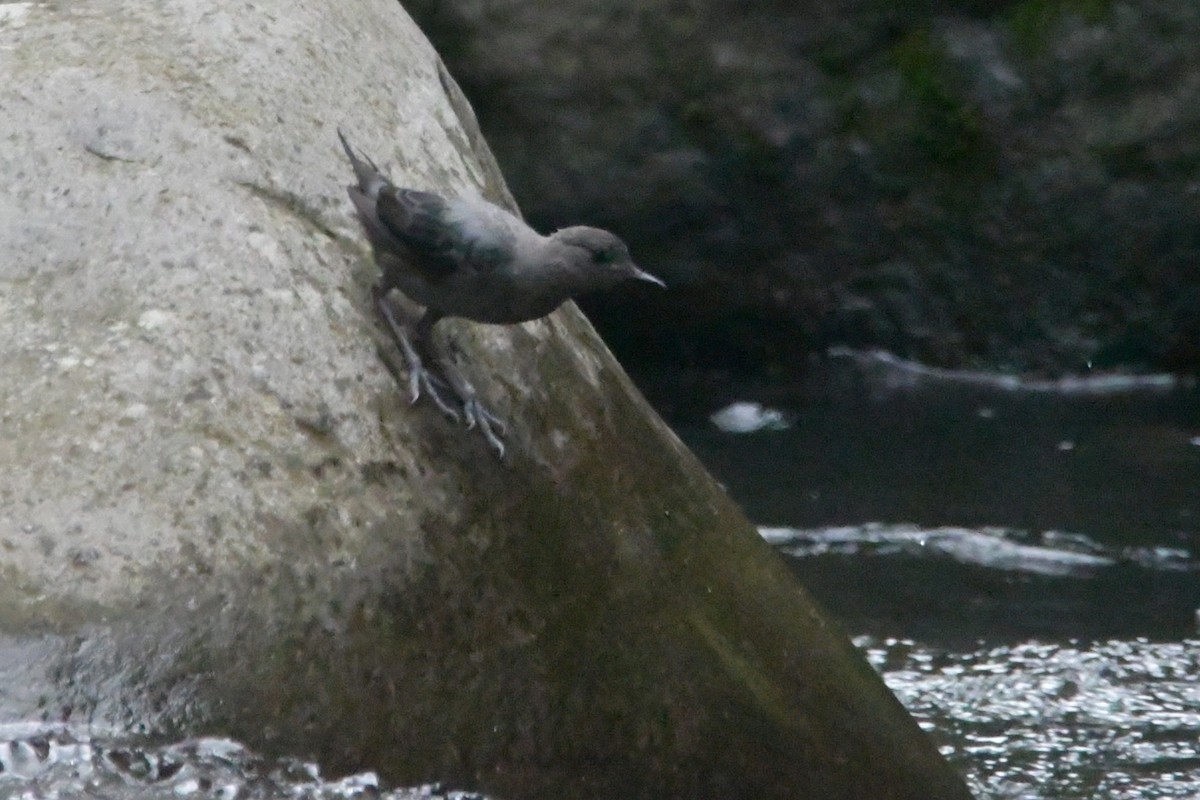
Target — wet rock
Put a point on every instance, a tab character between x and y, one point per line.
219	513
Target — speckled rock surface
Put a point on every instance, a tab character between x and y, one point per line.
184	329
219	513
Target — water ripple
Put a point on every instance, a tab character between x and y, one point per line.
1117	719
40	763
1050	553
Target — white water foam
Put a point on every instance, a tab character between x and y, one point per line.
747	417
1050	553
898	373
41	762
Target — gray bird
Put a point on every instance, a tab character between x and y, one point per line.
465	257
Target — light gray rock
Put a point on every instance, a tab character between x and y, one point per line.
219	514
183	313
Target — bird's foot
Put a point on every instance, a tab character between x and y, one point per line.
436	384
423	379
476	413
420	378
479	416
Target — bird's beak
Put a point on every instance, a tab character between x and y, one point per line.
642	275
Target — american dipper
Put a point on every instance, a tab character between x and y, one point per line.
465	257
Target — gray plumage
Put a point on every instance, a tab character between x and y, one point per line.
465	257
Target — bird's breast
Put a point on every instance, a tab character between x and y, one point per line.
495	297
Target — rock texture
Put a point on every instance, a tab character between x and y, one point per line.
1007	185
219	514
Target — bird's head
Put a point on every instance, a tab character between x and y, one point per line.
602	256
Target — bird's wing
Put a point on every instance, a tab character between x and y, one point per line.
426	225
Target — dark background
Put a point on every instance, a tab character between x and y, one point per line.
1000	185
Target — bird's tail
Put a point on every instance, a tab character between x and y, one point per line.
370	179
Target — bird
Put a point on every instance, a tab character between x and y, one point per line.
468	258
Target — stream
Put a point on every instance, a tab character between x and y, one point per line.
1018	560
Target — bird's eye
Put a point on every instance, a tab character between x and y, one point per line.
604	256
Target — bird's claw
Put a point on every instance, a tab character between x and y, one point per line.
479	416
420	379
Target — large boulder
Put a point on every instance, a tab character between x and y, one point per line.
1008	185
220	514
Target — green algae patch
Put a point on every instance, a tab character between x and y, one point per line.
1033	22
758	683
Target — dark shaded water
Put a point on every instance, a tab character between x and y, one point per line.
1122	467
1021	565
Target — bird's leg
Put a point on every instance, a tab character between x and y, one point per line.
419	377
478	415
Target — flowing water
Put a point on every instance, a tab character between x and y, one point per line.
1019	561
38	763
